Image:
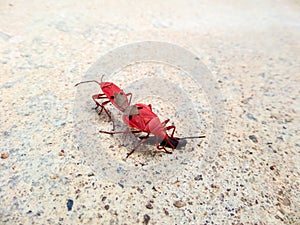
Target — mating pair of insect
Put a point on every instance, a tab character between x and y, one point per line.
139	117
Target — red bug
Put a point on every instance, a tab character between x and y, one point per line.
143	119
113	93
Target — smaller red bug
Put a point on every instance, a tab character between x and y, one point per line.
143	119
113	93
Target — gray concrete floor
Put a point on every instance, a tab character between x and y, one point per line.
252	49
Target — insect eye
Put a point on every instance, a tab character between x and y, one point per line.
130	117
140	107
112	97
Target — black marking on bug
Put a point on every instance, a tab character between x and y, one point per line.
130	117
140	107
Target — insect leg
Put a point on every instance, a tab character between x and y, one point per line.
103	108
165	122
162	148
127	132
171	127
120	132
143	139
96	97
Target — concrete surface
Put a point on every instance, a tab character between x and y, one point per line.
253	49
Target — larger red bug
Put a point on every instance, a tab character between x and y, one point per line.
113	93
143	119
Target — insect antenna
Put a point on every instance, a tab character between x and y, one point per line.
102	77
191	137
88	81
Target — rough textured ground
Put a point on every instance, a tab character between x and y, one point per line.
251	47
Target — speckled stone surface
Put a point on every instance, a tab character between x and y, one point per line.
253	50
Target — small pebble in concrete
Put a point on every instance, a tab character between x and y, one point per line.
166	211
61	153
146	219
4	155
179	204
286	202
253	138
121	185
70	204
149	205
251	117
198	177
